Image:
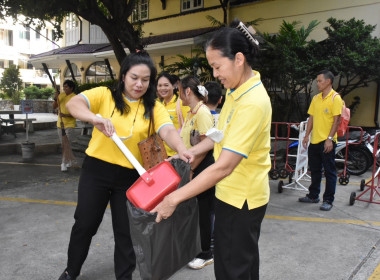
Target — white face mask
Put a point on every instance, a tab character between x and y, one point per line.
216	135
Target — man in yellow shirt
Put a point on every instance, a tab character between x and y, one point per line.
323	122
64	117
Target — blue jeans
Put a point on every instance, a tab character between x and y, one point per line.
317	160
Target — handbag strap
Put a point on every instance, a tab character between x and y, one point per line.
151	122
179	114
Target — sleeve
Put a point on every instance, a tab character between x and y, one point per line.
311	107
337	105
94	98
161	117
204	120
244	129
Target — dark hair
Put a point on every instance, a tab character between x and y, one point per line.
327	74
175	78
149	98
172	81
70	84
193	83
229	41
214	92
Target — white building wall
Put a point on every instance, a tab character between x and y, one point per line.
23	45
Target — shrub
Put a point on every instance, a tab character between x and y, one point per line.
32	92
83	87
46	93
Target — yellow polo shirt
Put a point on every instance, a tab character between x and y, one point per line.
171	106
199	119
99	100
246	121
63	98
323	112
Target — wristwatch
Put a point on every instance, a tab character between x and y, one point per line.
331	138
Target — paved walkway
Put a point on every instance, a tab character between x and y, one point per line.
298	241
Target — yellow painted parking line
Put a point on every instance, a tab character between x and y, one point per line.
55	202
25	163
288	218
27	200
322	220
376	274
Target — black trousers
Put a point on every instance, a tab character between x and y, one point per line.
206	209
101	182
237	233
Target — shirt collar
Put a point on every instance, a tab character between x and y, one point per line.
245	87
330	93
196	108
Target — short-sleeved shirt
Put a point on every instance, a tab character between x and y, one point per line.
246	121
198	119
63	98
323	111
171	106
215	116
100	101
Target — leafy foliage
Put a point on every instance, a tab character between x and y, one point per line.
33	92
112	16
351	53
196	65
11	84
83	87
287	68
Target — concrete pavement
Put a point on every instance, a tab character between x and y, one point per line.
298	241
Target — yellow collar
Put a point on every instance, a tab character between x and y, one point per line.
245	87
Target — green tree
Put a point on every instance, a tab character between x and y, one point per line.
286	64
11	84
111	15
351	53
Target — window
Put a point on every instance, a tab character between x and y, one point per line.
71	22
25	34
188	5
141	10
77	74
98	72
38	35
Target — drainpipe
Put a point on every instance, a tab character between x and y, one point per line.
377	105
80	31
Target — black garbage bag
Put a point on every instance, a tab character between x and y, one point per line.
162	249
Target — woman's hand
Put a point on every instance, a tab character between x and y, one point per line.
104	125
176	156
186	156
165	208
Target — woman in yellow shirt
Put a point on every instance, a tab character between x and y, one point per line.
168	97
241	151
198	121
106	173
69	123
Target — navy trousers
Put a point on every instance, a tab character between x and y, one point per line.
317	160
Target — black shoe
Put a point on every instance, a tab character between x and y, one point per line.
66	276
326	206
308	199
